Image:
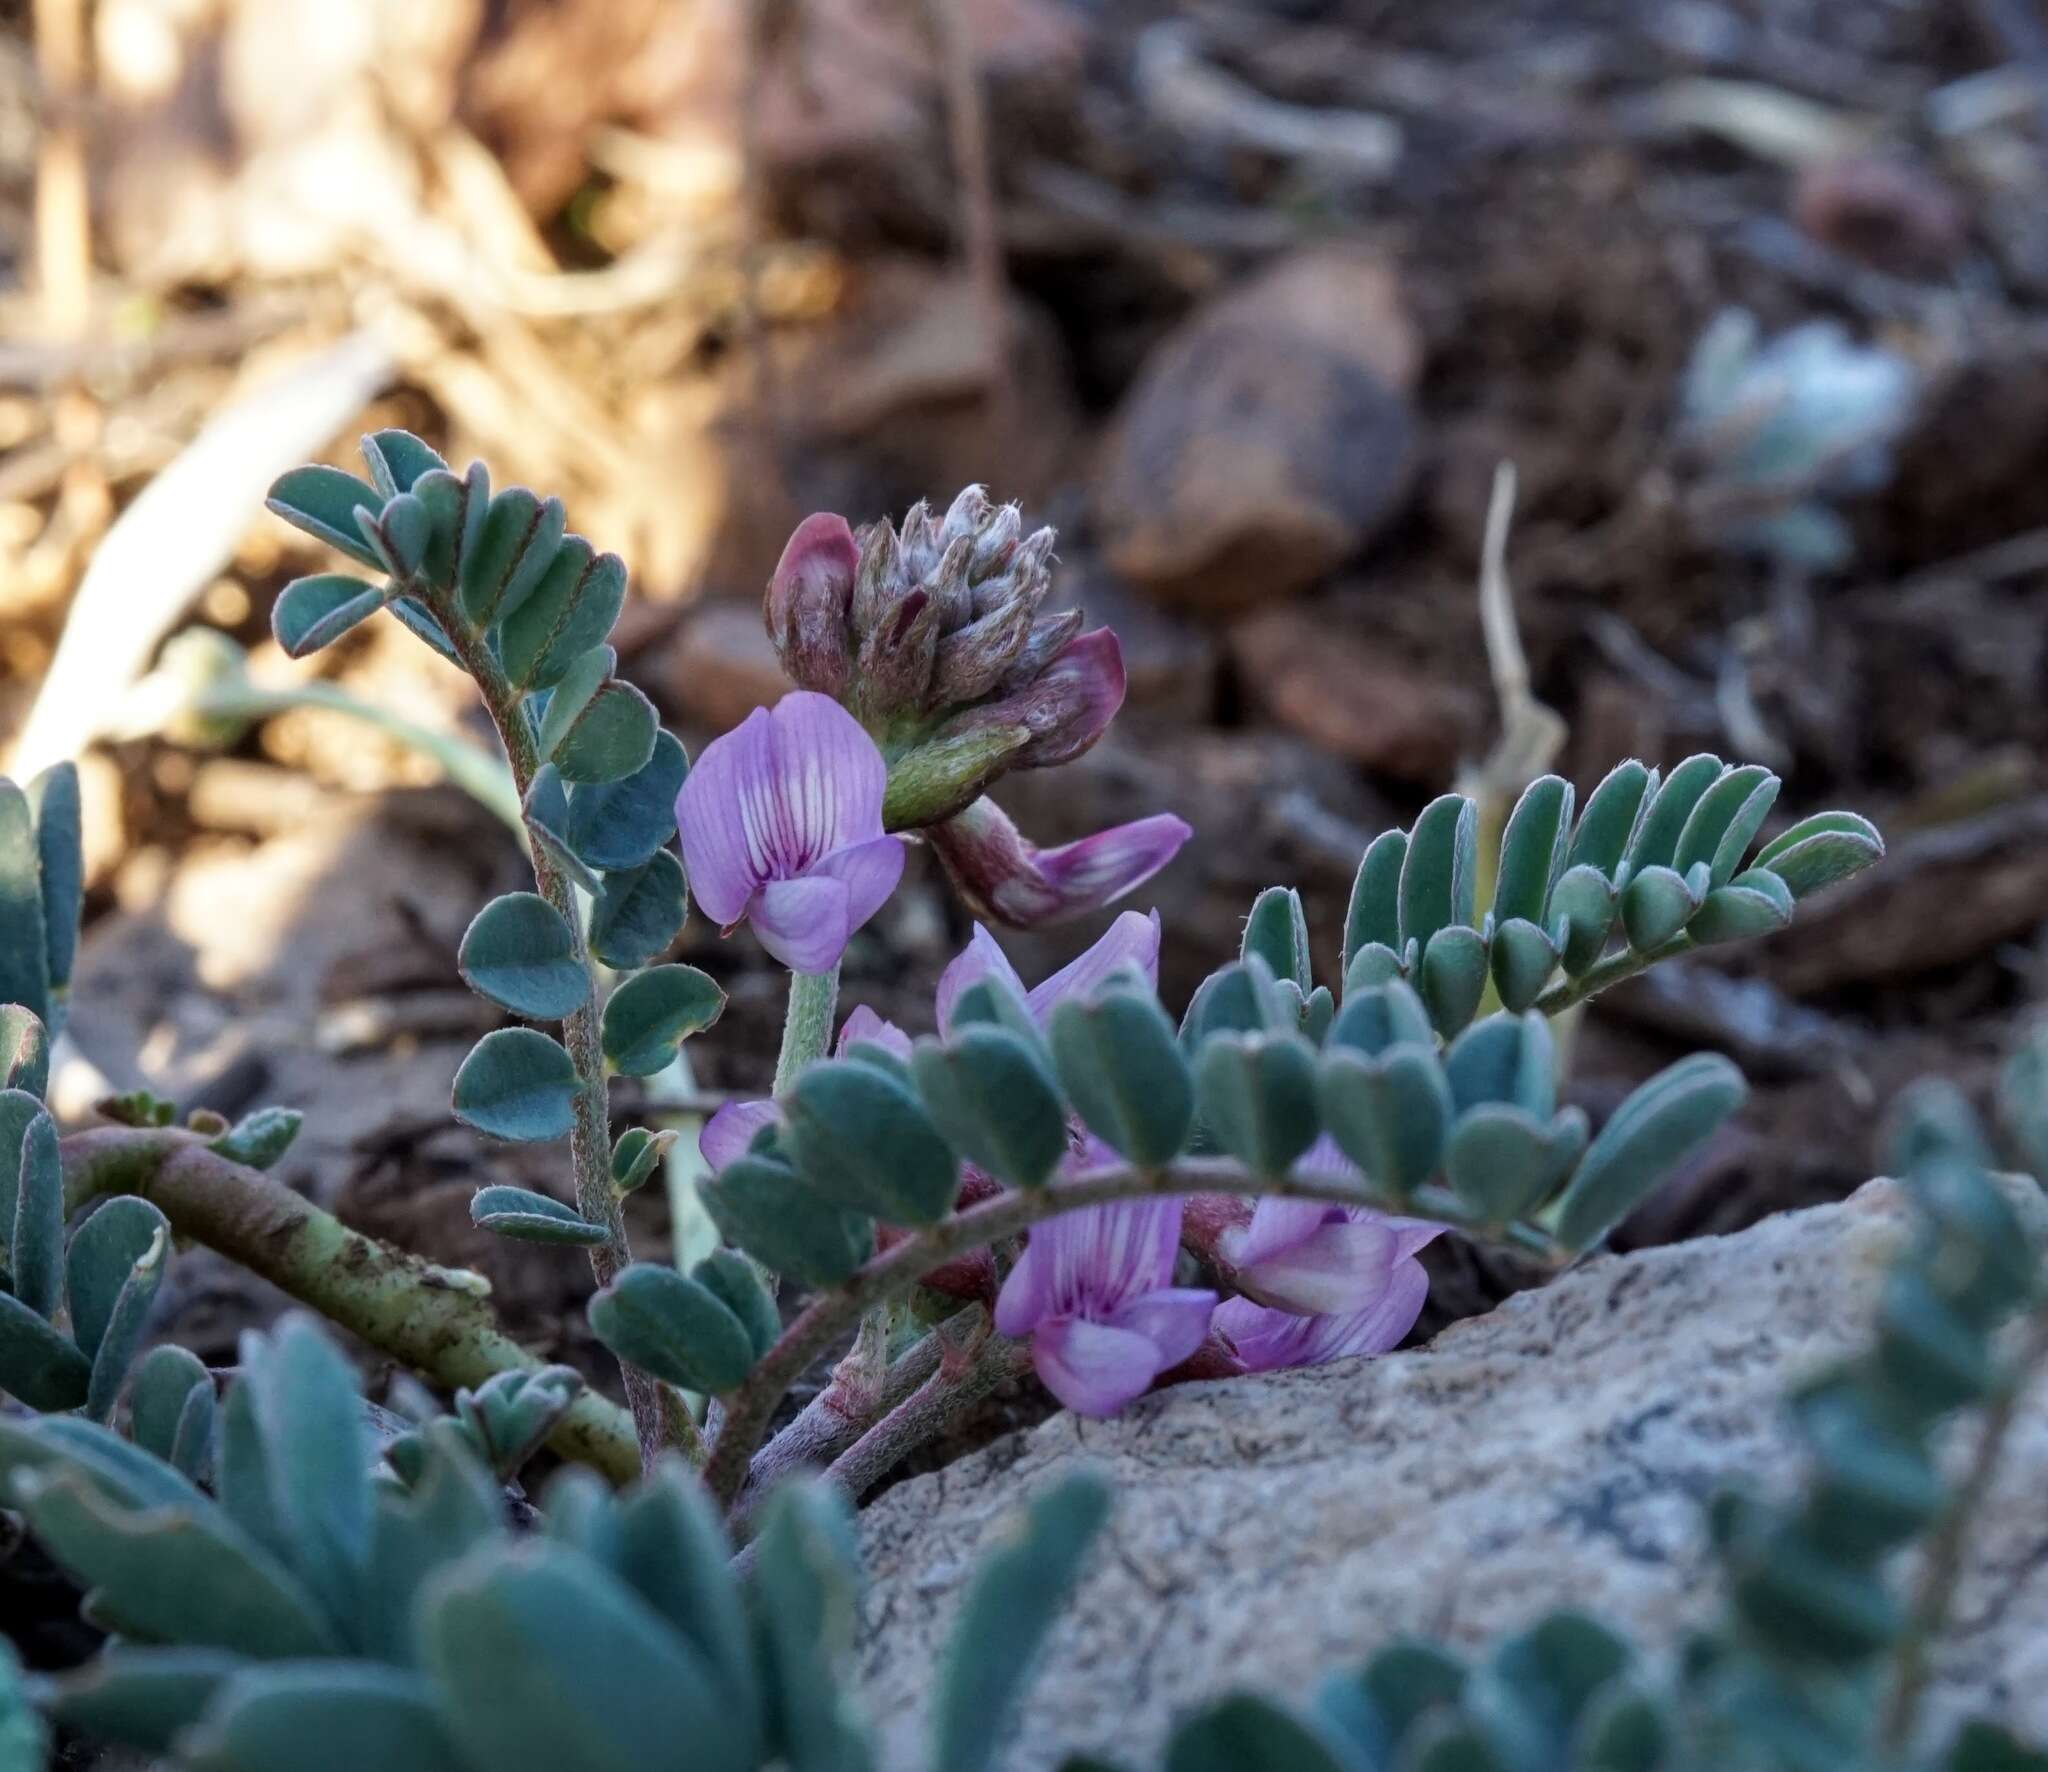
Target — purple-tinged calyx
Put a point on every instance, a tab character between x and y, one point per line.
810	601
781	826
934	635
1006	878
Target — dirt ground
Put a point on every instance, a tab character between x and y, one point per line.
1504	227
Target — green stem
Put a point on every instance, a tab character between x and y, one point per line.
435	1320
659	1415
1603	974
807	1024
892	1274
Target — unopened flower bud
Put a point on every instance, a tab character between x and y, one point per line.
810	602
1004	876
931	632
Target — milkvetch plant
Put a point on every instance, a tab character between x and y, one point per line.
306	1597
1065	1177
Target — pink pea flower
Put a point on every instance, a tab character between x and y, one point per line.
729	1132
1005	877
1320	1281
1132	940
781	824
1094	1291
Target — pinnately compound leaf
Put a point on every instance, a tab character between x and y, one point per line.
619	824
864	1141
323	502
24	954
1437	874
1374	915
60	859
1014	1599
396	459
1821	850
992	1095
764	1207
1532	850
1613	810
612	739
1121	1067
674	1327
1277	931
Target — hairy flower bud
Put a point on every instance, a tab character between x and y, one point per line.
933	634
810	603
940	609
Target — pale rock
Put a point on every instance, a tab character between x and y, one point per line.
1269	1531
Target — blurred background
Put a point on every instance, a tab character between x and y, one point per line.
1251	298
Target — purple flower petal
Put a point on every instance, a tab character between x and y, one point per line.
1007	878
729	1132
1026	1299
717	851
1266	1340
1276	1225
1092	1368
803	923
1175	1320
980	958
1336	1269
827	783
1132	940
869	872
864	1027
781	822
1091	1263
1412	1235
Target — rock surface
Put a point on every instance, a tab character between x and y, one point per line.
1269	1531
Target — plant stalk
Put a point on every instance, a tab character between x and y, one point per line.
435	1320
931	1410
661	1420
1604	974
806	1025
890	1275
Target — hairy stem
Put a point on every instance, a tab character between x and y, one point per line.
893	1273
830	1423
1941	1562
806	1025
434	1320
1603	974
931	1410
660	1420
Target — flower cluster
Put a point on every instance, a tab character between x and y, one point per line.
935	636
1094	1290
